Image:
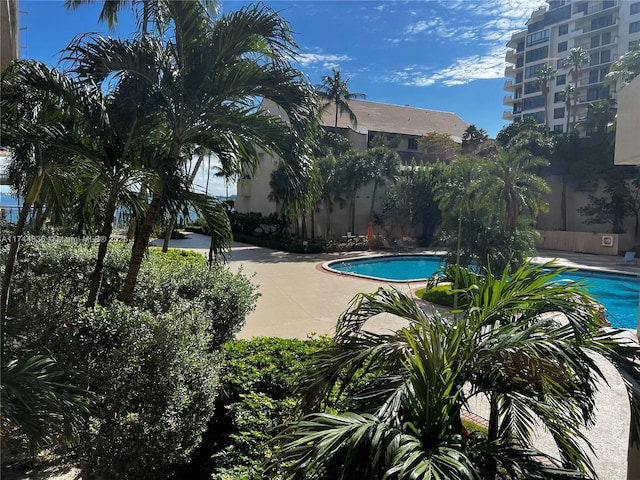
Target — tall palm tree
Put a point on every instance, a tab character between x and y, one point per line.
389	405
206	79
514	183
351	173
545	76
151	10
335	91
571	97
382	164
574	62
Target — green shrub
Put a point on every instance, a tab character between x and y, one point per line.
257	396
153	367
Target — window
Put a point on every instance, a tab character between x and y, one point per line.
564	29
560	64
583	7
595	41
558	97
558	112
520	62
593	76
531	87
606	38
537	116
520	47
601	22
634	27
634	8
532	103
538	37
519	77
412	144
558	128
562	47
592	94
605	56
518	93
603	73
532	71
537	54
561	79
594	59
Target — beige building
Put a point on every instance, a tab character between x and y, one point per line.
9	44
605	29
406	123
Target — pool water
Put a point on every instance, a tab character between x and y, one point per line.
617	292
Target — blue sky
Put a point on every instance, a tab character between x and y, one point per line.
443	55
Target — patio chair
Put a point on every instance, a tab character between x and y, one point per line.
387	246
401	244
629	257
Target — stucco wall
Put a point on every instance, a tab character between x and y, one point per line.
583	242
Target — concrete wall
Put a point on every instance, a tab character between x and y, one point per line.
582	242
628	125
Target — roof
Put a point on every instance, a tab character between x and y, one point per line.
405	120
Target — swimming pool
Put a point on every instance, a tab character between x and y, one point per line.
617	292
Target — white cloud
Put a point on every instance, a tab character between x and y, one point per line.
307	59
495	21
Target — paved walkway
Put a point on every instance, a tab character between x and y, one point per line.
298	299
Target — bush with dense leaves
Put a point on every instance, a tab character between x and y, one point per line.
257	395
153	366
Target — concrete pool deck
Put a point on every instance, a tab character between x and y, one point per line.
298	299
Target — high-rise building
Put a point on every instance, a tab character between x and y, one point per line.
603	29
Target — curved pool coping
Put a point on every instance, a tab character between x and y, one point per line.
326	266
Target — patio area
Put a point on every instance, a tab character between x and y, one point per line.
298	299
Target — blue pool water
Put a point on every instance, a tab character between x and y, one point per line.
617	292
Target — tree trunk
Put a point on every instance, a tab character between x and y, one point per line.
95	283
492	434
563	203
139	247
373	199
327	221
174	215
10	263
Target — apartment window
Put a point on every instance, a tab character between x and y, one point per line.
601	22
537	116
412	144
603	73
532	103
558	128
634	8
531	87
634	27
595	41
562	47
558	112
560	64
593	76
561	79
518	93
532	71
594	59
564	29
537	54
558	97
517	108
597	93
583	7
606	38
519	77
538	37
605	56
520	47
520	62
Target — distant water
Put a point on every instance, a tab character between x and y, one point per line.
9	204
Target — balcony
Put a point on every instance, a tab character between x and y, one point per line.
509	115
508	100
509	85
587	30
592	10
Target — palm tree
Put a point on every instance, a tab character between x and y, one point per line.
381	164
571	97
545	76
389	405
518	189
626	68
574	61
351	173
334	90
151	10
205	80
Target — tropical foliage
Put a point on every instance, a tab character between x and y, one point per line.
390	405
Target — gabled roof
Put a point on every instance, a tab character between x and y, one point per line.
405	120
